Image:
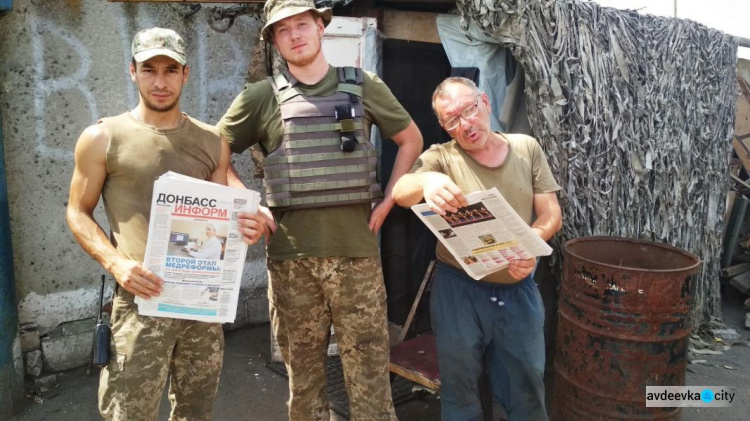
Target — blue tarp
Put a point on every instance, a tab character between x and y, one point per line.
472	48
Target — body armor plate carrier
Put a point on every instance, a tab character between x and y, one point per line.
325	159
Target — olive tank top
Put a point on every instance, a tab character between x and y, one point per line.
137	154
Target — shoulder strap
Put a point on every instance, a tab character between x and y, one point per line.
351	75
278	83
350	80
283	85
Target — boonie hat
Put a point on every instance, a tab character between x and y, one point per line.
154	42
276	10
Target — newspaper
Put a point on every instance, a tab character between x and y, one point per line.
195	246
486	235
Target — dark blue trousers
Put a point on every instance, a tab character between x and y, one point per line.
506	322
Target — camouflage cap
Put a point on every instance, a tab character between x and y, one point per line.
276	10
154	42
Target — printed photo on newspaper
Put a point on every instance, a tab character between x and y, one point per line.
195	246
484	236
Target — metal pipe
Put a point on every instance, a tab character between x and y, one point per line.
11	363
744	42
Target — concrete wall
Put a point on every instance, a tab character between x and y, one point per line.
11	363
63	65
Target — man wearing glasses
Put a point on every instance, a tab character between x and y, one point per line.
500	316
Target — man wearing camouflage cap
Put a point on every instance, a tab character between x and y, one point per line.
324	267
119	158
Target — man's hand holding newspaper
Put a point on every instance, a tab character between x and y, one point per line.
136	278
481	230
255	225
442	195
197	242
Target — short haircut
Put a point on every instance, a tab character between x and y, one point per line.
440	91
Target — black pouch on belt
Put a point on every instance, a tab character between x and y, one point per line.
345	117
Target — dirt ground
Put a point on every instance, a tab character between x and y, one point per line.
250	391
731	368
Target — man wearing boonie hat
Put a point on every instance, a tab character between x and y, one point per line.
313	122
118	159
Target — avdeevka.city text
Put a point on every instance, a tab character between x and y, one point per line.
688	396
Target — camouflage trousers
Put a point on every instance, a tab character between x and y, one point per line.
307	295
145	350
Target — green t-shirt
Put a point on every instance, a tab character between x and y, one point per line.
255	117
524	173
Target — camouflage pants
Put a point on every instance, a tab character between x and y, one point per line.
144	350
306	296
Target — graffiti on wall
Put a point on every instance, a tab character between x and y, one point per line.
207	86
66	62
45	86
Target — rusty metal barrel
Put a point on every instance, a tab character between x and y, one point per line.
624	324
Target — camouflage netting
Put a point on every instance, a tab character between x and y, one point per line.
332	3
635	113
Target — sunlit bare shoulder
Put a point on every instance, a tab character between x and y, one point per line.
92	144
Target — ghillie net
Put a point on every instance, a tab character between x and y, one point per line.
635	113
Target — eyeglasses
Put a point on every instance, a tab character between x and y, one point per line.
466	114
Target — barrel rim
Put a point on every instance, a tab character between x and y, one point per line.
566	250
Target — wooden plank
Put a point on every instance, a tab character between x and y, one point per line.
739	180
411	26
742	152
414	376
428	274
741	282
416	360
735	270
730	202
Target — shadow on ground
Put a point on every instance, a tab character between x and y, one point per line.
249	390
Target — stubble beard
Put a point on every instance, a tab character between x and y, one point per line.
159	108
304	60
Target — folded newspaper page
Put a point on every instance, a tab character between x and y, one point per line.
195	246
486	235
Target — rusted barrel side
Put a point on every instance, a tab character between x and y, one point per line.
624	324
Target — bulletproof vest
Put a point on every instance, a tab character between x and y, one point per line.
324	159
